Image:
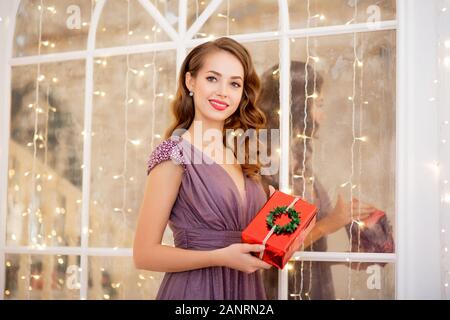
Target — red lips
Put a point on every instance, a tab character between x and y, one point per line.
218	105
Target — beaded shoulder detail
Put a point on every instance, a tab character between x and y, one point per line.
166	150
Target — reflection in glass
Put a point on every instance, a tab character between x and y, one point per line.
352	124
61	26
45	155
346	281
46	277
126	23
339	12
236	17
338	139
132	97
116	278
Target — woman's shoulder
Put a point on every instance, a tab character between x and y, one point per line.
168	149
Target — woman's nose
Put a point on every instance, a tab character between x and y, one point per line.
222	90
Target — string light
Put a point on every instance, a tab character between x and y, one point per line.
303	135
356	63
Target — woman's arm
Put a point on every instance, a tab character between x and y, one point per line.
161	191
339	217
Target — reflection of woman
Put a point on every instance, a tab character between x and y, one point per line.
317	282
206	205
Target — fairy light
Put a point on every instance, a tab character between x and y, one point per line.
37	110
447	61
361	138
227	17
308	58
352	149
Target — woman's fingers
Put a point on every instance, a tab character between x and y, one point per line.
358	203
260	263
362	216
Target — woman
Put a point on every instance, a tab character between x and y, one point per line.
208	203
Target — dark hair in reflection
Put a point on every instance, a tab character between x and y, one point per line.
302	77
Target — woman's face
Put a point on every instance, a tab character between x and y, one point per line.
218	87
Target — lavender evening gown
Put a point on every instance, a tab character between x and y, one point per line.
209	213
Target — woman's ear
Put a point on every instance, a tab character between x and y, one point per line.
189	81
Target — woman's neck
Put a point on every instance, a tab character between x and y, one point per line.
201	133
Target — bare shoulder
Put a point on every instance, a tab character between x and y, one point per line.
166	172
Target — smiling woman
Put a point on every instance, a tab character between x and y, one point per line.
205	204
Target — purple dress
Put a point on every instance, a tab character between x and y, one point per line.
209	213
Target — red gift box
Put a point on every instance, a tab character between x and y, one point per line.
279	248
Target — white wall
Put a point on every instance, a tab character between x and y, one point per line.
7	9
418	273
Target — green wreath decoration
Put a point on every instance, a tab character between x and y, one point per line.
288	227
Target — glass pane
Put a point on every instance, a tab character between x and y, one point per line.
125	22
46	277
116	278
237	17
347	134
194	10
60	25
131	113
338	12
46	143
314	280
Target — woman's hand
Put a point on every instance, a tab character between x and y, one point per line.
237	256
341	215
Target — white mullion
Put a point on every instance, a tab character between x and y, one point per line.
51	57
88	96
170	45
196	26
342	29
106	252
182	20
285	78
344	256
128	252
133	49
182	25
5	106
154	12
102	52
405	78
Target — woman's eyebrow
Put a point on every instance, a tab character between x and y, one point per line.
215	72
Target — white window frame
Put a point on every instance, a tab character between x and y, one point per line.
416	264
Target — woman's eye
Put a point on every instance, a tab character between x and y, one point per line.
235	84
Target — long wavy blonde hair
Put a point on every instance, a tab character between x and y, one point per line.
247	115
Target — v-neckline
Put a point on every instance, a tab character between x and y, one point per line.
243	199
